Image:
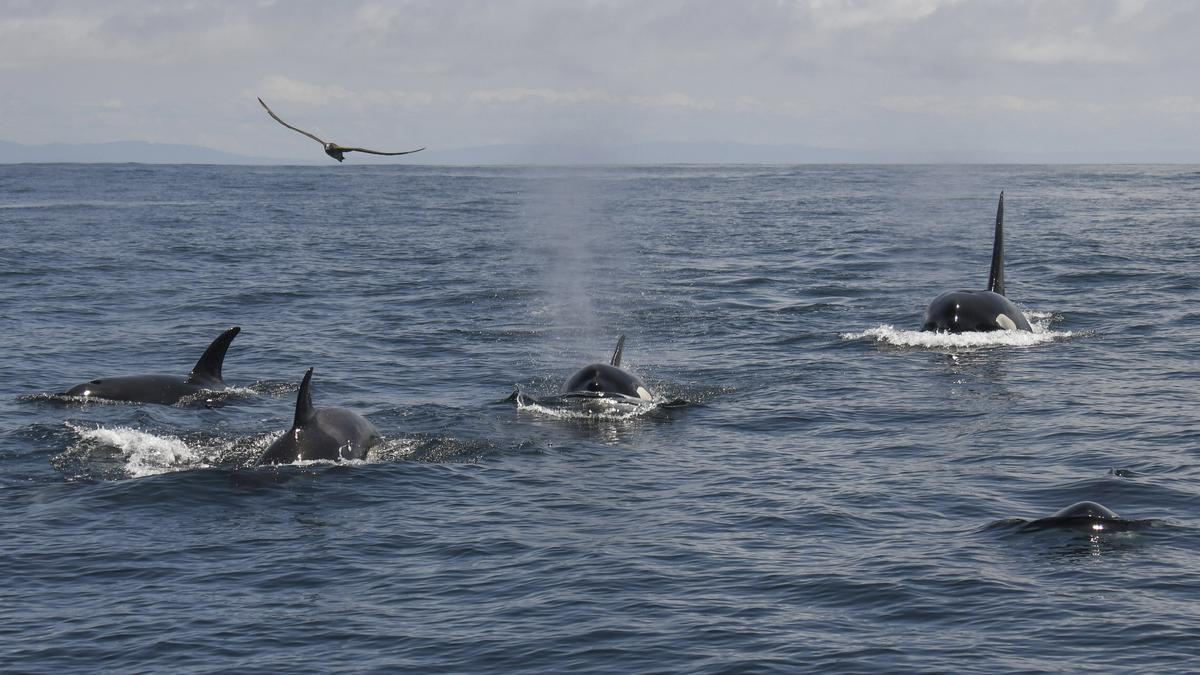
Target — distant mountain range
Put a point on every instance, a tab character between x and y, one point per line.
642	153
566	154
121	152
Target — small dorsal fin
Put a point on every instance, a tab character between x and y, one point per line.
996	277
616	359
208	368
304	406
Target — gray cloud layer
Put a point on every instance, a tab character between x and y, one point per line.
974	80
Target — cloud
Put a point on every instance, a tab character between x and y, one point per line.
523	95
673	100
283	88
286	89
128	32
37	40
962	106
1175	105
1055	51
850	15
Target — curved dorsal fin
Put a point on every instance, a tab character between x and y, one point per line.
304	406
616	359
208	368
996	277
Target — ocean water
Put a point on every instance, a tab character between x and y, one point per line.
836	493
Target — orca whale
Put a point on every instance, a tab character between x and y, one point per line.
600	380
165	389
321	433
978	311
1087	516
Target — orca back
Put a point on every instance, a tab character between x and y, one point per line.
164	389
979	311
321	433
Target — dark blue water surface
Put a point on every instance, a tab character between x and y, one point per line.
840	493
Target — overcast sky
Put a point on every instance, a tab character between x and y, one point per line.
984	80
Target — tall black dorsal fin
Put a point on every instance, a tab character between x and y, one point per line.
304	406
208	368
996	277
616	359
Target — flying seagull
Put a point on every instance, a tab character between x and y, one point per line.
333	149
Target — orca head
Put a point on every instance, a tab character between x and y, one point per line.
601	378
967	312
1088	517
134	388
1087	509
94	388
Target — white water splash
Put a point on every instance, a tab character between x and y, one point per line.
305	463
67	398
587	408
145	454
1039	321
387	450
215	397
392	450
239	391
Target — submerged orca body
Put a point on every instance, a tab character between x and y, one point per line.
165	389
978	311
1087	516
600	380
321	433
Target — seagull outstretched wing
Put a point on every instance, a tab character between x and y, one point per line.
276	118
376	152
